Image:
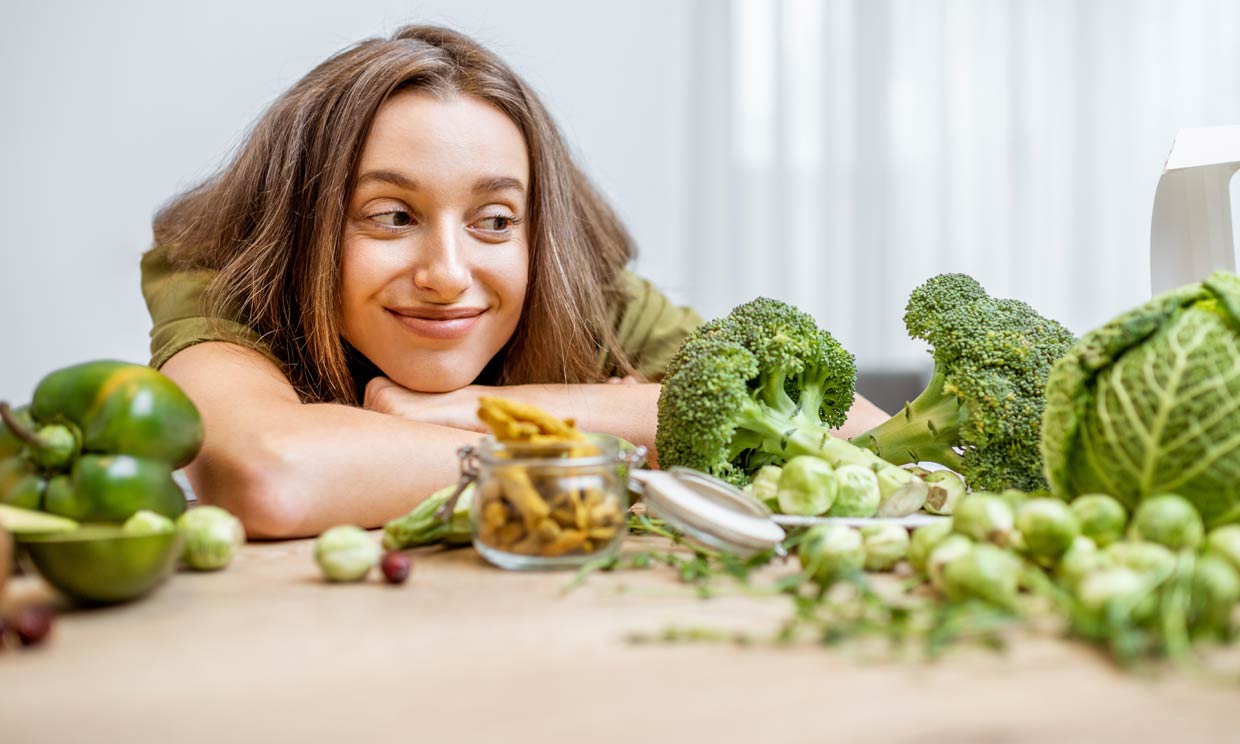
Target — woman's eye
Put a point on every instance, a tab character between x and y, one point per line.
496	223
394	218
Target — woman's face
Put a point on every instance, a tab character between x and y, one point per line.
436	252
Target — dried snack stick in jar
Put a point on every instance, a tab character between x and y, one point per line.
513	421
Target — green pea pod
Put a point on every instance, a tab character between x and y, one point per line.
122	408
111	488
20	483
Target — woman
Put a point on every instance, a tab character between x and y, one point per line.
403	230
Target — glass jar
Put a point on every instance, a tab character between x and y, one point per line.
556	505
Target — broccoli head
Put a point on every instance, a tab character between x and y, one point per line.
981	413
757	387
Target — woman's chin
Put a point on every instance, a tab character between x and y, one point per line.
426	380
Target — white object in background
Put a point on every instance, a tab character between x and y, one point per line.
1191	233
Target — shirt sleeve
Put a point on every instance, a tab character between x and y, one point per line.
177	301
651	327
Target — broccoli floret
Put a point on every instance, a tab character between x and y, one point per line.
981	413
756	388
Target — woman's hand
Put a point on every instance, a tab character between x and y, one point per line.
457	409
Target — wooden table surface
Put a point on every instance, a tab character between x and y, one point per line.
266	651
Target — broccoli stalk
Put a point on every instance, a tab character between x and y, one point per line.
759	387
981	413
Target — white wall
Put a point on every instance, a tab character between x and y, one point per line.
111	108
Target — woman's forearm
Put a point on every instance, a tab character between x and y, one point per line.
288	469
626	410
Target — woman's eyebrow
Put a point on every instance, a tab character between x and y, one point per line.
491	184
387	176
484	185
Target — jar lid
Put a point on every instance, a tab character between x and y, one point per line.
709	510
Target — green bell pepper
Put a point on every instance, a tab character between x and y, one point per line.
99	442
123	409
10	443
21	484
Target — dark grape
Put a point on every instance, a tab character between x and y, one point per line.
395	565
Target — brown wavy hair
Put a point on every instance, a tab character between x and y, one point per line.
270	221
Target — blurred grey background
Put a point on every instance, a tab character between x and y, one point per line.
831	154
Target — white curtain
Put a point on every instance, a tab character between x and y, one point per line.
846	150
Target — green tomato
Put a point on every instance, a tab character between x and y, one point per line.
985	518
1047	528
831	551
765	485
212	536
806	487
1170	520
346	553
924	540
885	545
857	493
949	550
1102	518
147	522
1225	543
984	572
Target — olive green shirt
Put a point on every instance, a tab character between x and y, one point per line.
649	327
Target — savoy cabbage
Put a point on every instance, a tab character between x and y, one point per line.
1150	403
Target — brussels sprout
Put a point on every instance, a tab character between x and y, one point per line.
895	498
1169	520
946	488
885	545
765	485
985	518
949	550
924	540
1100	590
1014	498
831	551
857	493
1102	518
147	522
1215	591
1225	543
1047	528
1150	559
1082	558
346	553
806	486
212	536
983	572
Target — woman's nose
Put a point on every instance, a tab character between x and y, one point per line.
442	268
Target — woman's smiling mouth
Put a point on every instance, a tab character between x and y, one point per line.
442	323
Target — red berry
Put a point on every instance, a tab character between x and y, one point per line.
395	565
33	624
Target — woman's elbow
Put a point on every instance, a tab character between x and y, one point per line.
260	488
